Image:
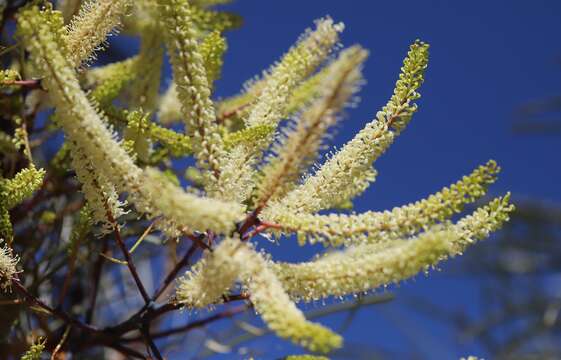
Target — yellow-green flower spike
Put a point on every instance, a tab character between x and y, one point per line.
483	221
205	20
14	191
371	226
301	144
83	125
349	172
299	62
213	48
89	29
108	80
35	351
365	267
192	83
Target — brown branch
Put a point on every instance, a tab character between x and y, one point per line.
260	228
30	84
56	312
145	330
195	324
128	259
98	266
59	346
173	273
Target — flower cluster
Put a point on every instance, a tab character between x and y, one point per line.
255	173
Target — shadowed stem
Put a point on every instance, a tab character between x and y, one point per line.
173	273
128	259
56	312
195	324
96	278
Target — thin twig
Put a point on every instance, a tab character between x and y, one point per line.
173	273
195	324
96	279
128	259
30	84
145	330
56	312
260	228
61	343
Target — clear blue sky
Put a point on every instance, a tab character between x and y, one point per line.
487	59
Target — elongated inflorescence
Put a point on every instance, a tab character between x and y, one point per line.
85	127
88	31
8	263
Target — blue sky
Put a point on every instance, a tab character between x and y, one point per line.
487	59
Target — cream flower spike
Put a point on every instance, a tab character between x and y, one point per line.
300	61
212	276
371	226
270	106
100	194
192	85
365	267
212	49
8	263
301	144
83	125
349	172
88	31
277	310
233	260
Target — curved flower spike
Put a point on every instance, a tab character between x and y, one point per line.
14	191
212	276
280	314
89	29
8	264
232	260
349	172
267	111
83	125
367	266
300	145
299	62
193	88
371	226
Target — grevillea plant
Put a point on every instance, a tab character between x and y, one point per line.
68	218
